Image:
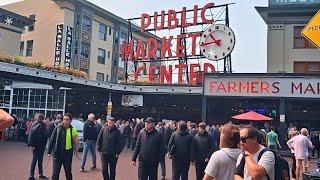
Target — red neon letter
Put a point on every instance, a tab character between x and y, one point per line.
165	75
166	47
211	86
127	50
194	42
144	24
181	67
137	72
152	48
180	47
192	75
203	13
152	75
195	15
184	21
172	16
207	66
140	53
156	27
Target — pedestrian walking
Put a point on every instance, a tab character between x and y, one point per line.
150	149
222	164
90	135
38	140
63	144
272	139
301	145
292	134
161	129
202	150
135	133
126	135
249	165
109	147
180	152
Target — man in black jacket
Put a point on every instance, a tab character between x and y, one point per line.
180	151
202	149
53	124
62	145
150	149
38	140
109	147
90	135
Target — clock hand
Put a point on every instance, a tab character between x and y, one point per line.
218	42
205	44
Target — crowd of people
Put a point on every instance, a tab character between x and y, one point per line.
217	152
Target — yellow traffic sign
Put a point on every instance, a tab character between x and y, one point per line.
312	30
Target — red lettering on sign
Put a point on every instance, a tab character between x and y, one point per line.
244	86
172	19
152	75
145	22
152	48
264	87
211	86
195	15
232	87
180	47
166	47
166	75
203	13
162	16
181	67
294	87
184	21
192	74
137	72
127	51
254	87
208	66
140	53
194	37
221	87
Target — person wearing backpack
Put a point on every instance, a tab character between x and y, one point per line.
180	152
62	145
37	140
109	147
222	164
249	164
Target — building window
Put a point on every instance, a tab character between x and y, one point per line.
85	50
21	48
20	98
100	76
109	54
38	98
102	32
76	47
86	23
306	67
110	31
55	99
299	40
29	48
31	27
101	56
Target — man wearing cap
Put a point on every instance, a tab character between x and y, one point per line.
109	147
150	149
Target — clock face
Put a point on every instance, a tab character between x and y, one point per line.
217	42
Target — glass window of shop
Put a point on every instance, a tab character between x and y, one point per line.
55	99
20	98
4	98
38	98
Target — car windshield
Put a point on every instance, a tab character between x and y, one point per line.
78	124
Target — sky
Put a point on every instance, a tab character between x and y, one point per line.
250	53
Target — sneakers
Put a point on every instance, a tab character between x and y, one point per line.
31	178
94	167
43	177
82	170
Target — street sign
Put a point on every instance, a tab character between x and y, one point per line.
312	30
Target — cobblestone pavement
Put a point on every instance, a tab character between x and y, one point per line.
15	160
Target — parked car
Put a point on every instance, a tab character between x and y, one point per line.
77	123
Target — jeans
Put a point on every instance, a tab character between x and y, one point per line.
163	167
64	159
147	171
180	169
293	168
37	156
109	163
200	167
89	145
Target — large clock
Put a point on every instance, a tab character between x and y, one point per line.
217	42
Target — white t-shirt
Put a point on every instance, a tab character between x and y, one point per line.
301	145
222	164
267	161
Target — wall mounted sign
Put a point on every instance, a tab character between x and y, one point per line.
68	47
58	49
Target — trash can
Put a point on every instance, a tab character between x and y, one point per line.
312	175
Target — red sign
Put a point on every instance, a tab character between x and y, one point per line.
168	20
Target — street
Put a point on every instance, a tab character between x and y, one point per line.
16	160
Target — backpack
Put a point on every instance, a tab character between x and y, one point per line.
281	166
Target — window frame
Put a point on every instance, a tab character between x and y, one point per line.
29	50
307	44
104	34
102	59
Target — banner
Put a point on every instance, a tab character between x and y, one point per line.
132	100
58	49
68	47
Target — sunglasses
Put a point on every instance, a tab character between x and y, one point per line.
244	139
